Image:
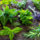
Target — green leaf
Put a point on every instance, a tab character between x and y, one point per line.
25	17
8	31
7	9
36	4
13	12
6	28
33	33
11	35
17	30
2	32
11	19
4	20
1	13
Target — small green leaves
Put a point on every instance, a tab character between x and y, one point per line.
1	13
16	24
33	33
17	30
11	19
7	9
11	35
36	4
9	2
5	2
25	17
8	14
13	12
14	1
8	31
21	4
2	32
6	28
4	19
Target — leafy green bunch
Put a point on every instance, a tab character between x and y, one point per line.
8	14
8	31
20	4
9	2
25	16
15	24
33	33
5	2
14	2
37	4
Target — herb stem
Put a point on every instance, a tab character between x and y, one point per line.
35	38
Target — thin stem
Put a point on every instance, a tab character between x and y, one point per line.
35	38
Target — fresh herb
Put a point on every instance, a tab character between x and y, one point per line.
37	4
33	33
25	16
8	14
20	4
8	31
5	2
9	2
13	12
16	24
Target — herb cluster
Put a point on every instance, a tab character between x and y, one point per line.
25	16
8	31
9	2
37	4
8	14
33	33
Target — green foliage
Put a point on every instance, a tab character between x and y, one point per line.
25	16
1	13
5	2
6	9
11	19
14	1
3	16
16	24
20	4
37	4
4	19
8	14
33	33
8	31
9	2
13	12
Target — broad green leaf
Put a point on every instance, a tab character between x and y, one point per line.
6	28
7	9
17	30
